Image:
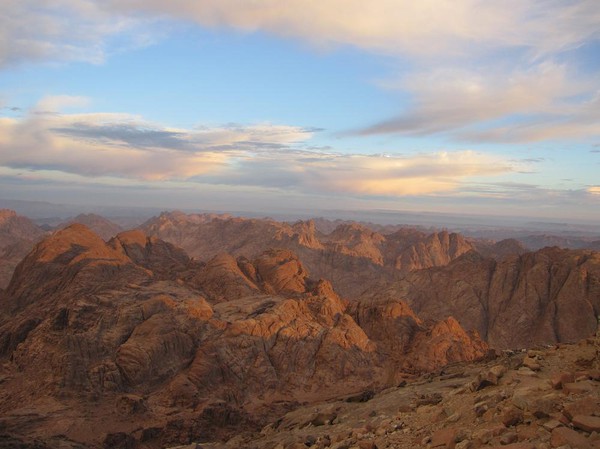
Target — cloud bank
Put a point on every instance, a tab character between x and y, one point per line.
124	148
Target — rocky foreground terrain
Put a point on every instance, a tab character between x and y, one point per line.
230	332
536	399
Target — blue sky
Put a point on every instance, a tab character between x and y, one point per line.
465	106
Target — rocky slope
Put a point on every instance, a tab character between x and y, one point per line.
539	399
543	297
17	236
132	343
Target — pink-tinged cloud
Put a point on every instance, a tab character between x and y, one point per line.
470	105
422	28
121	148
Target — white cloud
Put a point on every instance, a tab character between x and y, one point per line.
426	27
119	148
469	97
61	30
547	100
64	30
127	146
395	176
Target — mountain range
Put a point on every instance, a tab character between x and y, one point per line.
177	330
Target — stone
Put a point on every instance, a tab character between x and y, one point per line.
428	399
526	371
559	379
583	387
532	364
594	374
454	417
323	418
465	444
487	378
551	424
445	438
486	434
562	436
480	408
584	406
508	438
587	423
367	444
542	407
362	397
512	416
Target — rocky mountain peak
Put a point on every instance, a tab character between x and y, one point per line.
280	271
100	225
73	244
305	234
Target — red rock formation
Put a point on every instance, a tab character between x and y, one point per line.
357	241
87	319
17	237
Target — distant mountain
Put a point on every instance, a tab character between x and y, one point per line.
539	241
352	256
100	225
17	236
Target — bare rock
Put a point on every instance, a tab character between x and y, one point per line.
120	440
512	416
587	423
532	364
583	387
559	379
129	404
584	406
445	438
563	436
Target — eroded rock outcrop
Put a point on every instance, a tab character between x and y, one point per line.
84	319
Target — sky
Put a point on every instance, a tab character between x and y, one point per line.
454	106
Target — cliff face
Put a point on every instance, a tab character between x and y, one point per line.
543	297
84	319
